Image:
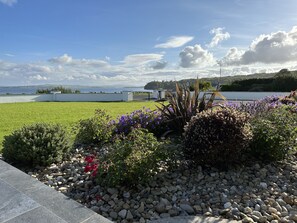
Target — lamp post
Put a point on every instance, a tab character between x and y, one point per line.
220	64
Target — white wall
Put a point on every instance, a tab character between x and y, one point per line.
244	96
25	98
88	97
249	96
125	96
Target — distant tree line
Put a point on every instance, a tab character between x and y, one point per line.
58	88
170	85
283	81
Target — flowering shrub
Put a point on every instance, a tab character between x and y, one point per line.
134	159
94	130
37	144
275	134
217	138
264	105
147	119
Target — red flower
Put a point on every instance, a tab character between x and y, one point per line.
90	159
88	168
92	165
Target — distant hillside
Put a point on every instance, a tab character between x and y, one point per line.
224	81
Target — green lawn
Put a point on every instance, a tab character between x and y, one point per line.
15	115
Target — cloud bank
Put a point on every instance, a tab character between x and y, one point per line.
266	53
279	47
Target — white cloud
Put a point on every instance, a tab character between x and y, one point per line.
175	41
232	57
8	55
38	77
195	56
68	60
62	59
158	65
90	62
219	36
279	47
8	2
141	59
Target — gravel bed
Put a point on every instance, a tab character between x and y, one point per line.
255	193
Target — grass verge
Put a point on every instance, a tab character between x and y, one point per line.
15	115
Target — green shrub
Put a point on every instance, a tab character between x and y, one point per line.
94	130
217	138
275	134
133	160
37	144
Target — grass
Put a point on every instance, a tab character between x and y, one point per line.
15	115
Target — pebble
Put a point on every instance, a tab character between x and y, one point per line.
113	215
263	185
123	213
247	220
129	215
126	194
247	210
227	205
187	208
256	193
272	210
257	207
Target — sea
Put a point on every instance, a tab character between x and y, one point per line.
5	90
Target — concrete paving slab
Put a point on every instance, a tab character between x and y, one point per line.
19	180
25	199
96	218
58	203
13	203
43	216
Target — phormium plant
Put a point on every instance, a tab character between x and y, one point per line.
184	105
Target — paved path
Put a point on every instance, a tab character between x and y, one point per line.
24	199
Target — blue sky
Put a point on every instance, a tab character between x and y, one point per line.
132	42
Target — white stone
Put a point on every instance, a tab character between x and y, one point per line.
257	207
272	210
227	205
263	185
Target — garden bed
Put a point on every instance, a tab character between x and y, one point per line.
256	192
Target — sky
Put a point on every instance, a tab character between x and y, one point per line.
132	42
